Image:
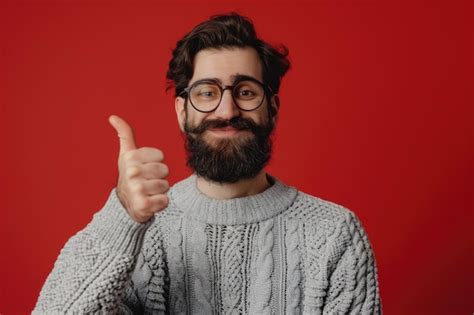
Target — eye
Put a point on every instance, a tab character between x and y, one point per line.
246	92
206	93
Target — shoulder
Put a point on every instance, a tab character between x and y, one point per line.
334	222
316	215
327	228
313	210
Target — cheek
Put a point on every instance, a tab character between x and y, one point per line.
262	115
194	119
258	118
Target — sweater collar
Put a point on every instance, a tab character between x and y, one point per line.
242	210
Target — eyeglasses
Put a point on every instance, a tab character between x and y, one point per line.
206	95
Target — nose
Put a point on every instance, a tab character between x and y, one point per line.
227	109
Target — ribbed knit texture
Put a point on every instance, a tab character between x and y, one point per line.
278	252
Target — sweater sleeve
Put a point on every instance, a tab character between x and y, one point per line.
92	272
353	283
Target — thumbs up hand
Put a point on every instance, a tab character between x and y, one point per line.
141	186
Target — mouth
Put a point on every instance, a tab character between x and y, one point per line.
226	131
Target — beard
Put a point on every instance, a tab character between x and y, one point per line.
228	160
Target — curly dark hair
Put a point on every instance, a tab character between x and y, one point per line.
225	31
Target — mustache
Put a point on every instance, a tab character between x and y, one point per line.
238	123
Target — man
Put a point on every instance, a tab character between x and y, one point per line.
230	238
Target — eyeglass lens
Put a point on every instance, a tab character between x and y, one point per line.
247	94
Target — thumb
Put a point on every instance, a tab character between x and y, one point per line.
125	133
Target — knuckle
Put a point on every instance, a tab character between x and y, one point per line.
163	201
165	170
165	185
132	171
129	156
137	188
159	154
143	149
143	204
162	155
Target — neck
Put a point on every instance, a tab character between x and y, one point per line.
242	188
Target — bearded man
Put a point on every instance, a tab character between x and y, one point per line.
230	238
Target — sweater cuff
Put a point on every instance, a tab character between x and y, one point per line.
116	229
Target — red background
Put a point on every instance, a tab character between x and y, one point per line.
376	115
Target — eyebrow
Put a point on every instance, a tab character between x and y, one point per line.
239	77
234	78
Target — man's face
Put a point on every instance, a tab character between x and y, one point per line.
227	144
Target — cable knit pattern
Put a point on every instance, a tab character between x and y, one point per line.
198	268
233	257
294	274
277	252
176	268
93	268
154	299
366	281
265	269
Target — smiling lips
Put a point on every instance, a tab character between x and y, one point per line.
226	131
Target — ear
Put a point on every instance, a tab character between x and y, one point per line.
180	111
274	107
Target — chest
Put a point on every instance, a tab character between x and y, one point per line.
245	269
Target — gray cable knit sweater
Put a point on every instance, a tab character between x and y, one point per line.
278	252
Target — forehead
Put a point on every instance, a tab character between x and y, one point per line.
225	63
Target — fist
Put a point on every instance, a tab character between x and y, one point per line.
141	186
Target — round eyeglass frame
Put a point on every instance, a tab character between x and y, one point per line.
267	91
